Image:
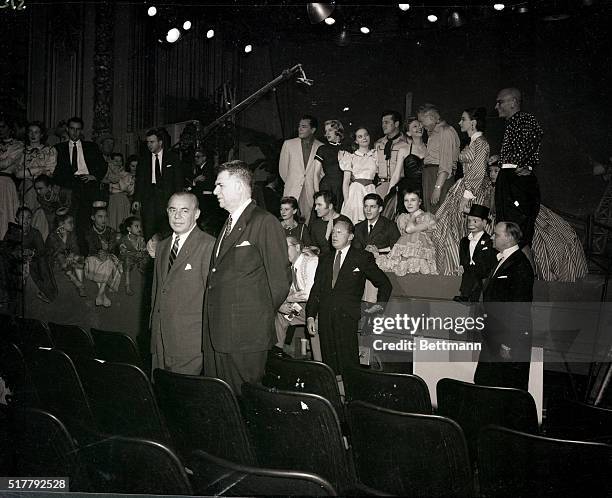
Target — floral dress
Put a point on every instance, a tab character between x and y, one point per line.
413	252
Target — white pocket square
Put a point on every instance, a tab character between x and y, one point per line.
356	269
484	248
188	266
503	276
244	244
168	165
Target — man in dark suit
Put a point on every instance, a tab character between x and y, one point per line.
159	174
506	347
248	281
376	233
476	255
335	297
181	270
80	169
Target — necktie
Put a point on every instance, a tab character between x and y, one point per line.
173	252
336	268
75	164
158	173
228	227
370	229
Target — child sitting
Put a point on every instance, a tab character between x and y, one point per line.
101	265
50	198
132	249
477	256
63	250
414	252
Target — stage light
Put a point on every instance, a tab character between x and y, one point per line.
210	33
173	35
248	49
403	6
499	6
523	9
365	30
318	12
152	11
346	109
455	19
432	18
187	25
329	21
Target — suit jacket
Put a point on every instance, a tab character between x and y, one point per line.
345	296
172	179
64	172
316	233
177	296
484	256
296	174
248	282
507	298
384	234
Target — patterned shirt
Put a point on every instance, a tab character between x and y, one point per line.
522	138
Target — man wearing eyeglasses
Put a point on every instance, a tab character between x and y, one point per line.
517	193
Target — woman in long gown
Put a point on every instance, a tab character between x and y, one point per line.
327	163
450	217
408	177
558	254
359	170
11	158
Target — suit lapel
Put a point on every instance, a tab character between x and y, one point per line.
164	255
375	229
347	266
236	232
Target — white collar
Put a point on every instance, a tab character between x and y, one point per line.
475	135
183	237
475	236
507	252
236	214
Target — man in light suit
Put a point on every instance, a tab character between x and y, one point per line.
158	175
296	165
248	281
181	270
292	311
506	346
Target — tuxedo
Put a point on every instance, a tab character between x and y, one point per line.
339	307
83	194
507	298
477	267
153	197
177	297
384	234
299	178
248	281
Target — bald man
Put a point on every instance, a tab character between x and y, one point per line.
517	193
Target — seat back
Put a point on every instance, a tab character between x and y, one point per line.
134	466
218	477
570	419
116	347
298	431
402	392
60	390
122	400
202	413
304	376
474	407
516	464
16	375
400	452
30	334
72	340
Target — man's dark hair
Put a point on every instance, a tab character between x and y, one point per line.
240	169
328	196
374	197
347	221
314	122
159	134
396	116
76	119
513	230
43	179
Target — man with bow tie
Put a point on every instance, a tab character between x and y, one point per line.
335	297
476	255
248	281
507	296
181	270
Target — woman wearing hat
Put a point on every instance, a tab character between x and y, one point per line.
450	219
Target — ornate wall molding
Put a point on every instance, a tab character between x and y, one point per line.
103	69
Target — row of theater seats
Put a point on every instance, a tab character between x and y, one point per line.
185	434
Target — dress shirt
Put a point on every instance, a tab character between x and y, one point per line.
235	215
474	239
182	238
372	224
443	148
343	253
502	256
82	165
386	168
521	143
307	148
160	156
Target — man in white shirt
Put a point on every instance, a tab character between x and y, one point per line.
292	311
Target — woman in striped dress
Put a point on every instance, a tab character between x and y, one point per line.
558	254
450	217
